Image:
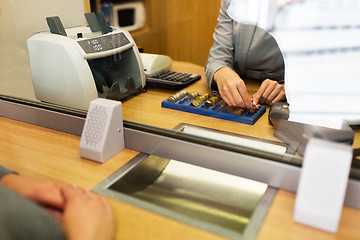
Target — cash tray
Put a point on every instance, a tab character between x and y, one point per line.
185	105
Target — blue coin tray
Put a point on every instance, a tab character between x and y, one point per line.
214	111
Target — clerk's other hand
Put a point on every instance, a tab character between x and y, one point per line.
232	88
46	193
86	215
270	92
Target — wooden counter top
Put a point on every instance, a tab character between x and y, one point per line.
41	152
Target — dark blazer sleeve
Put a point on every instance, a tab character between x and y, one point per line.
22	219
4	171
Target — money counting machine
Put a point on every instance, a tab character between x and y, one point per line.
74	66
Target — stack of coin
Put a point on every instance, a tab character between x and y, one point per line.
239	111
221	104
229	109
212	101
193	95
177	96
200	99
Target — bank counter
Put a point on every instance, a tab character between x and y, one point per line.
46	153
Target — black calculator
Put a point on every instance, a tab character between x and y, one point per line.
171	80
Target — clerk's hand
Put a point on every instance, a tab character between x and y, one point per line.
44	192
86	215
270	92
232	88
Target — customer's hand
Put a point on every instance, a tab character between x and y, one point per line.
232	88
86	216
44	192
270	92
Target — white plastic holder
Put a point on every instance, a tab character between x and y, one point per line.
322	185
103	133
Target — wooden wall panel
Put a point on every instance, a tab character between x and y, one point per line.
87	6
181	29
190	29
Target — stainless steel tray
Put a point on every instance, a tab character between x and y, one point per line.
224	204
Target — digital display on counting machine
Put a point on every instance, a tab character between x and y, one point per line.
104	43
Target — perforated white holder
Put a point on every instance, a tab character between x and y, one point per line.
103	134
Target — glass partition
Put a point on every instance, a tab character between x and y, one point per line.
179	29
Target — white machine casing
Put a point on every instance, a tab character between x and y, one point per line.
60	70
155	63
103	134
